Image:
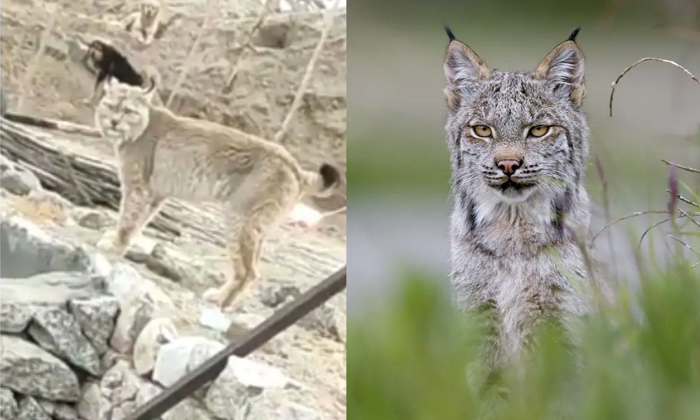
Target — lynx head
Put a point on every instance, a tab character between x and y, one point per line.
516	135
149	9
123	111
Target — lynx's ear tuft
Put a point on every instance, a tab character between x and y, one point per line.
463	69
574	34
449	33
563	70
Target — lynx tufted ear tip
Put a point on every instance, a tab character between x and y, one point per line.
574	34
449	33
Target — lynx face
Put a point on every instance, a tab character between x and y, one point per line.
123	112
516	135
149	9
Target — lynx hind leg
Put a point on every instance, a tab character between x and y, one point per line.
137	207
257	218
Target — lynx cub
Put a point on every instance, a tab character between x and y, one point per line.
519	143
145	21
163	155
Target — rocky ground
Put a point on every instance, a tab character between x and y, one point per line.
87	336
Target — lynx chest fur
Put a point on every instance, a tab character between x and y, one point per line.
519	145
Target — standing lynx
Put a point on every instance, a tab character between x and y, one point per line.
519	144
162	155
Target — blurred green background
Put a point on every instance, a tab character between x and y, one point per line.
398	162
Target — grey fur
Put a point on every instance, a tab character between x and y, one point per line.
516	252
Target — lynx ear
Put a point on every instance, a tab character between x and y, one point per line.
463	68
563	70
151	90
111	83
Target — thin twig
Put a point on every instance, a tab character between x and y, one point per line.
63	126
683	199
188	61
683	214
660	60
685	168
247	45
328	21
34	64
684	244
628	216
690	217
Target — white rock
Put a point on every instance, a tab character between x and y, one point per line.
177	358
92	405
138	305
241	380
157	332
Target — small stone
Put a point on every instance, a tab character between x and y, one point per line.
6	164
120	384
57	331
57	410
65	412
110	358
92	405
327	320
96	317
92	219
177	358
157	332
8	404
30	370
274	405
241	380
276	295
19	181
147	392
122	411
30	409
140	300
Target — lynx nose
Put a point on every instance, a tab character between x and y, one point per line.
509	166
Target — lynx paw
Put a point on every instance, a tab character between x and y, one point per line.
214	295
224	297
108	243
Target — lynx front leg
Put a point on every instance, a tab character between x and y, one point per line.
137	207
244	252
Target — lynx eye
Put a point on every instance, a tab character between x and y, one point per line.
539	130
483	131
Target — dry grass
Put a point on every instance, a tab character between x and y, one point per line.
40	211
188	61
34	64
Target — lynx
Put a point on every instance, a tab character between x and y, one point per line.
519	143
162	155
146	21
